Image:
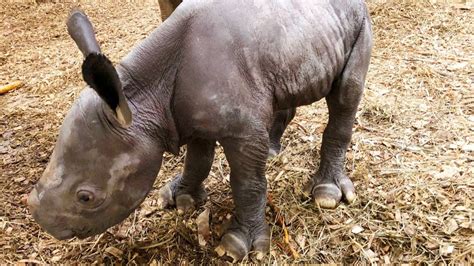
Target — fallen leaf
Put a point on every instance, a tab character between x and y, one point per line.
114	252
420	124
446	249
371	256
450	226
202	222
300	240
356	229
432	244
56	258
122	231
464	6
461	208
448	171
442	199
468	147
457	66
467	225
19	179
24	199
410	229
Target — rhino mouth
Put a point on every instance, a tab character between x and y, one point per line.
61	235
84	234
59	232
70	233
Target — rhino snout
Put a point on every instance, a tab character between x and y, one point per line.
52	224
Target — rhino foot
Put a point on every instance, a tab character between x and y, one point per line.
274	150
328	192
238	241
175	193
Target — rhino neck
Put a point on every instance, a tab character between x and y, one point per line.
148	74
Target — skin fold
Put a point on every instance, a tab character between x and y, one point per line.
227	71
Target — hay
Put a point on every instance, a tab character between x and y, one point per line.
411	155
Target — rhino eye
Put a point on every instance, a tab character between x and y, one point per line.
85	197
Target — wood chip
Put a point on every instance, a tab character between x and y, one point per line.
117	253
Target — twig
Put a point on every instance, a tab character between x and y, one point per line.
158	244
281	221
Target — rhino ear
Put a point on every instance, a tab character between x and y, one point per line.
97	70
81	31
99	73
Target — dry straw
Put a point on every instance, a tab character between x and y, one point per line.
411	156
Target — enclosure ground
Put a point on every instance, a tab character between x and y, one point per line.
411	156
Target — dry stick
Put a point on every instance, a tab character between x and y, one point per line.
97	241
27	261
281	221
385	160
300	126
159	244
11	86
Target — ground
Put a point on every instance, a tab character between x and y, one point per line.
411	156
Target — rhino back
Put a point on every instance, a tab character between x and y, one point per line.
259	56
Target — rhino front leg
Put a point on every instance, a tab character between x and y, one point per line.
248	229
280	122
331	184
186	190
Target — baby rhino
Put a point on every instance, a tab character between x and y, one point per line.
227	71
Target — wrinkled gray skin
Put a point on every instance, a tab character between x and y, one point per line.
227	71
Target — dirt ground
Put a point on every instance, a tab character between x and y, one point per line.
411	157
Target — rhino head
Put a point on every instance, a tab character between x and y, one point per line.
104	163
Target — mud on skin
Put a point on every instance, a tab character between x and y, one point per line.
201	77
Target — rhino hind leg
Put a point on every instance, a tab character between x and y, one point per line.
330	184
248	229
186	190
280	122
